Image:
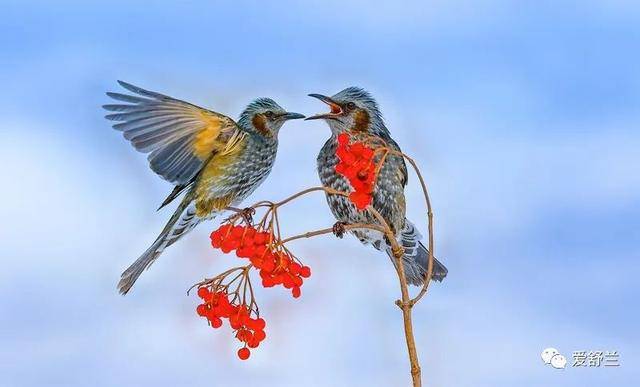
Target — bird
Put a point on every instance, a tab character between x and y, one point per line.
215	161
355	111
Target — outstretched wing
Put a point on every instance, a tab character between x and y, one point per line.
178	136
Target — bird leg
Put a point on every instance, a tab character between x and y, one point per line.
338	229
247	214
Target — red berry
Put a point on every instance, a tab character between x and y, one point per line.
249	234
243	353
228	245
202	310
259	335
216	239
216	322
360	199
268	283
295	291
237	231
294	268
357	148
305	271
268	265
244	335
343	139
261	238
203	292
235	322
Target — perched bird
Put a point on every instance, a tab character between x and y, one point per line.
354	111
216	161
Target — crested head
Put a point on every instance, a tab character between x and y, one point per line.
264	117
352	109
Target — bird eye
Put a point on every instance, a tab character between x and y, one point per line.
351	106
269	113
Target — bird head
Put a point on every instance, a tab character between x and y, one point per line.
265	117
352	109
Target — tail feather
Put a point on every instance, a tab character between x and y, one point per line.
416	257
182	221
439	271
129	276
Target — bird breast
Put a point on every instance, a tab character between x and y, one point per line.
228	179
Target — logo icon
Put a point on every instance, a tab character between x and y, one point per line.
554	358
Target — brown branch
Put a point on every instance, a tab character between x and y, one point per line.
404	304
309	190
425	192
329	230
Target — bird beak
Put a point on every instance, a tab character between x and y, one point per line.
336	109
291	116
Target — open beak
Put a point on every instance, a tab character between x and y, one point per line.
336	109
291	116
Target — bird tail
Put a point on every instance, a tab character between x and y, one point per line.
182	221
416	257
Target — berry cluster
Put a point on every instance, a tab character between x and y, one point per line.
358	166
280	268
277	266
216	306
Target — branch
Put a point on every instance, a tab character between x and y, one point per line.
329	230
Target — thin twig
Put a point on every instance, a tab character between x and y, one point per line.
329	230
405	304
425	192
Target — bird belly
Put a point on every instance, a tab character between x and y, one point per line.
228	181
345	211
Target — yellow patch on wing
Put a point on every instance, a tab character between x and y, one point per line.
178	136
205	141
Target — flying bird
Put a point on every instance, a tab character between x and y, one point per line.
354	111
214	160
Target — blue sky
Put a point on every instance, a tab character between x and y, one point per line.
523	116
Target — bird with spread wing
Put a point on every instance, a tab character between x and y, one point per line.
214	160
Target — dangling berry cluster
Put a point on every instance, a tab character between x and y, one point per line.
358	166
216	306
280	268
277	265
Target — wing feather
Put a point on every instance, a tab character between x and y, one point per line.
178	136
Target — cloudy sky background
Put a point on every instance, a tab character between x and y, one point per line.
523	116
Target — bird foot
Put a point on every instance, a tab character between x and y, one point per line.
247	214
338	229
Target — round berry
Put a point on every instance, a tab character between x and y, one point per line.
203	292
259	335
216	322
243	353
237	231
202	310
305	271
